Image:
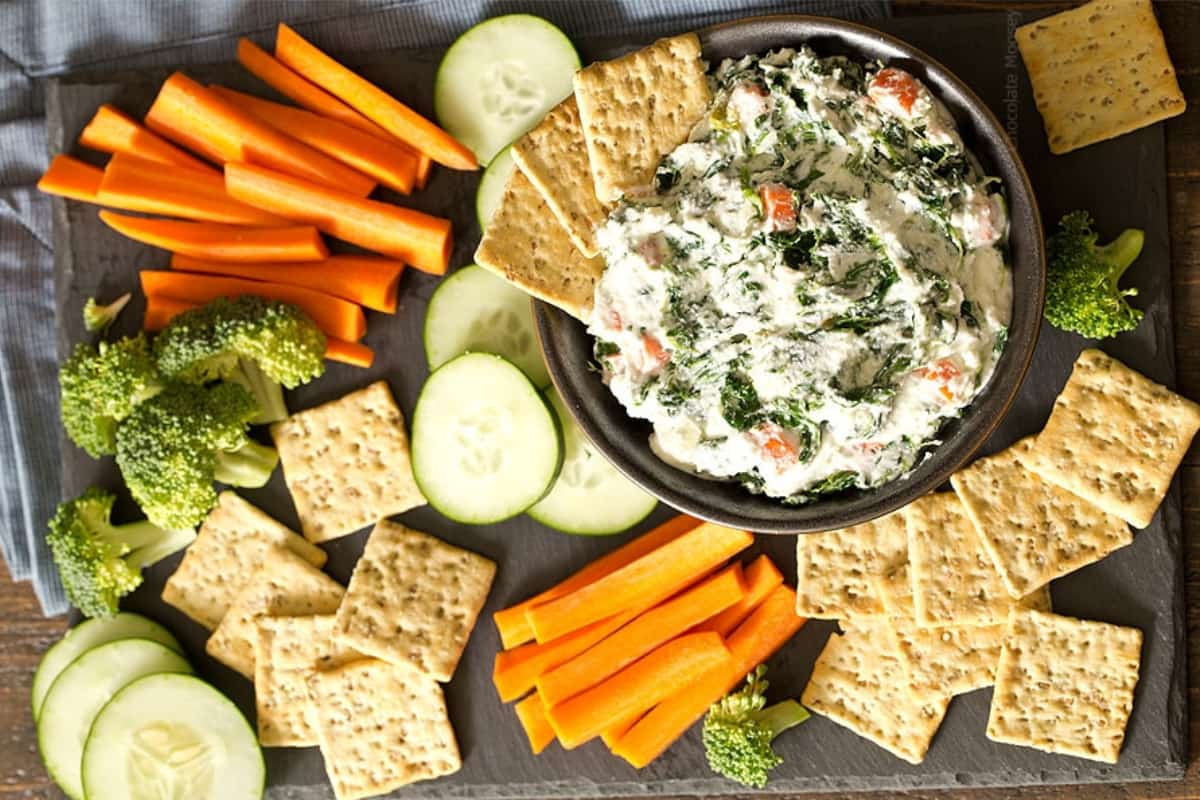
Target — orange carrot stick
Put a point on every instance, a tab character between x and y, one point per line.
766	630
356	354
653	628
516	671
392	164
411	236
663	571
372	102
532	715
219	242
369	281
638	687
334	316
70	177
613	734
112	131
284	80
511	622
424	167
762	578
190	115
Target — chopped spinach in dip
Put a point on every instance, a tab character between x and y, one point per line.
816	284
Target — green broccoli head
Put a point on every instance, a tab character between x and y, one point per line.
97	318
100	562
262	344
739	729
101	385
1082	292
172	448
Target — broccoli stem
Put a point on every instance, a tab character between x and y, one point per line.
1123	251
250	465
781	716
267	393
145	542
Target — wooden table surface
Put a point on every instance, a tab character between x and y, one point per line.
25	634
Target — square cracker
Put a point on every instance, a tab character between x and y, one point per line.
287	652
527	246
414	600
835	570
1065	685
1114	438
895	589
859	682
285	586
956	659
381	726
1033	530
233	541
1099	71
638	108
347	463
553	156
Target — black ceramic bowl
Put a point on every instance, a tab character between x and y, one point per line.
568	347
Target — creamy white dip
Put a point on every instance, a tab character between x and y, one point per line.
815	286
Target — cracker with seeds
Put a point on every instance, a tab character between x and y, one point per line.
1065	685
638	108
1114	438
231	545
1099	71
527	246
553	156
285	586
1034	530
835	570
894	588
414	600
347	463
955	659
381	726
860	683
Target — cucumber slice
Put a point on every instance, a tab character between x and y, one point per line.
83	688
473	311
172	736
491	186
590	497
500	78
88	634
485	446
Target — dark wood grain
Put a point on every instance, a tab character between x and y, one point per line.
25	634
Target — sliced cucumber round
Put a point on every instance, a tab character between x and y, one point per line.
473	311
83	688
491	186
172	736
88	634
590	497
485	445
500	78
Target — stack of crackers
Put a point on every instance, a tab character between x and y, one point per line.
951	593
602	143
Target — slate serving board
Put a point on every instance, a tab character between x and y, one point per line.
1122	182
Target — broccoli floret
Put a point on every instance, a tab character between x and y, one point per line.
97	318
101	385
100	562
173	446
261	344
1082	294
738	731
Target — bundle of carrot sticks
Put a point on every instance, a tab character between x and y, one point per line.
637	645
248	186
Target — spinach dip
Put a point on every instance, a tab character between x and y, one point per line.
815	285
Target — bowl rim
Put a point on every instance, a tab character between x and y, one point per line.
877	501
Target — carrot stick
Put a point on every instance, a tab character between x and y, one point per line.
516	671
190	115
284	80
135	184
411	236
424	167
112	131
613	734
762	577
638	687
219	242
386	160
356	354
70	177
368	99
369	281
511	622
653	628
665	570
532	716
766	630
336	317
